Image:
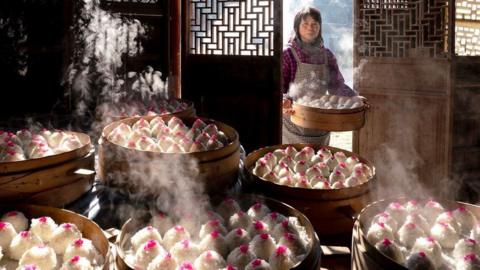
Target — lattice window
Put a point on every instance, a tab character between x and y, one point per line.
385	4
133	1
467	10
467	27
389	28
232	27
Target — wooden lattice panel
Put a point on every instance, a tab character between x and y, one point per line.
467	40
467	10
226	27
385	4
467	27
401	28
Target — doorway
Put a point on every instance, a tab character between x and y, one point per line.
337	31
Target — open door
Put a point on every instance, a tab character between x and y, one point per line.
403	66
466	87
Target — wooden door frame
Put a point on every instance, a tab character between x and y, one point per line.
175	52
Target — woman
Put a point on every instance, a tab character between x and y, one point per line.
308	65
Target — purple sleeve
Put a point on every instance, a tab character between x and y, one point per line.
337	84
289	68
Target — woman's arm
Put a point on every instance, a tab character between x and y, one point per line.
289	67
337	84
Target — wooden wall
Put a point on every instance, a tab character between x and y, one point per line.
34	53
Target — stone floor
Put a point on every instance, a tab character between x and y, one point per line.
341	140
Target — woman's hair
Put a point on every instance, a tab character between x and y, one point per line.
302	14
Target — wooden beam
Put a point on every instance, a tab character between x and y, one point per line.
133	9
468	23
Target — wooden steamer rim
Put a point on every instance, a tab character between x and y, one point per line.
306	193
54	186
188	112
89	229
310	262
36	163
328	119
366	249
203	156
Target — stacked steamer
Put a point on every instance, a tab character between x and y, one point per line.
126	145
50	167
177	107
238	234
329	112
415	234
40	237
326	184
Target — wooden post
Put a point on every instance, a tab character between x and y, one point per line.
175	52
451	27
355	137
451	104
278	36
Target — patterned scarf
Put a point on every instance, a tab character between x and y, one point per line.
312	50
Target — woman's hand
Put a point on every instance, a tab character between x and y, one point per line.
287	106
365	102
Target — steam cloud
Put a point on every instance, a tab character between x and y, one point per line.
98	80
96	75
398	161
169	184
14	36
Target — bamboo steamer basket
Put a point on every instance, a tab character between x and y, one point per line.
328	119
327	209
310	262
54	180
364	254
110	111
37	163
218	169
89	229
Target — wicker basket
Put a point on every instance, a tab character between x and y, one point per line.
88	228
325	208
218	169
311	261
328	119
365	255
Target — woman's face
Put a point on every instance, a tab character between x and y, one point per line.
309	29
